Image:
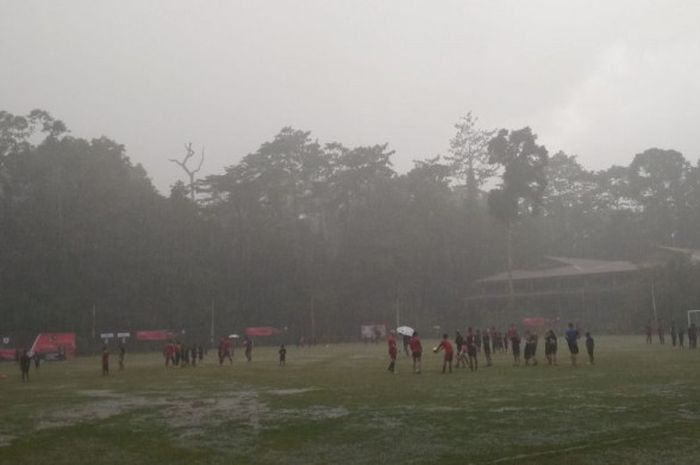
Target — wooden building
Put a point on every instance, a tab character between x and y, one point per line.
601	295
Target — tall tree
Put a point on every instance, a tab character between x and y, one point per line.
522	184
469	154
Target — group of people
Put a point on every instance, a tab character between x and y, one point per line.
467	348
677	334
226	347
179	354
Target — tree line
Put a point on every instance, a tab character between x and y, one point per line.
313	237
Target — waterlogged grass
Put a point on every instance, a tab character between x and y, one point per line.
639	405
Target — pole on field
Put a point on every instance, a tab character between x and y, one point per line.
398	314
653	300
211	335
93	320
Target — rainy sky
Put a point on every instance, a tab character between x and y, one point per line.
600	79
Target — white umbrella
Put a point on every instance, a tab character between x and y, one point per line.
405	330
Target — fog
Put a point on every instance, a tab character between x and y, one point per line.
603	80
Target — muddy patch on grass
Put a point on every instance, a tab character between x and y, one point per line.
102	409
193	414
291	392
5	439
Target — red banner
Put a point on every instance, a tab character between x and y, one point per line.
8	354
155	335
535	322
54	343
261	331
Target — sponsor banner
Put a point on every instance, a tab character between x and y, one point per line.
7	354
55	343
106	335
123	335
261	331
154	335
535	322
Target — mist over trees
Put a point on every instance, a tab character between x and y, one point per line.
315	237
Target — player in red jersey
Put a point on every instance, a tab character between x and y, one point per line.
416	351
446	345
393	351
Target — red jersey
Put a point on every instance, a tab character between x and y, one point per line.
391	341
447	347
416	346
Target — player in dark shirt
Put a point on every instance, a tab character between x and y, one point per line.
283	355
122	354
550	347
25	362
590	344
105	361
486	340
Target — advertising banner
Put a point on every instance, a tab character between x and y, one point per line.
7	355
261	331
55	344
154	335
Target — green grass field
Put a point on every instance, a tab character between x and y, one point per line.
337	405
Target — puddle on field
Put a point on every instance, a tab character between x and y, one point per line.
292	391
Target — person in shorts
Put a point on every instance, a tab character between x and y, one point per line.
590	344
446	346
25	363
416	352
105	361
393	351
550	347
283	355
472	350
514	339
571	337
486	341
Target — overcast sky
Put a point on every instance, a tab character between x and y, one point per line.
601	79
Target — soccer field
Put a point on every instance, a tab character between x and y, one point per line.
639	404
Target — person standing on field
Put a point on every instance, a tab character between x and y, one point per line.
283	355
514	338
105	361
572	336
472	350
406	339
122	354
459	340
674	333
550	347
660	330
692	336
248	344
647	330
486	340
25	363
681	334
416	352
590	344
446	345
393	351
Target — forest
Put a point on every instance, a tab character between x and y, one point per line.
312	236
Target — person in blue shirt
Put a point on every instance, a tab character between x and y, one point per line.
572	336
